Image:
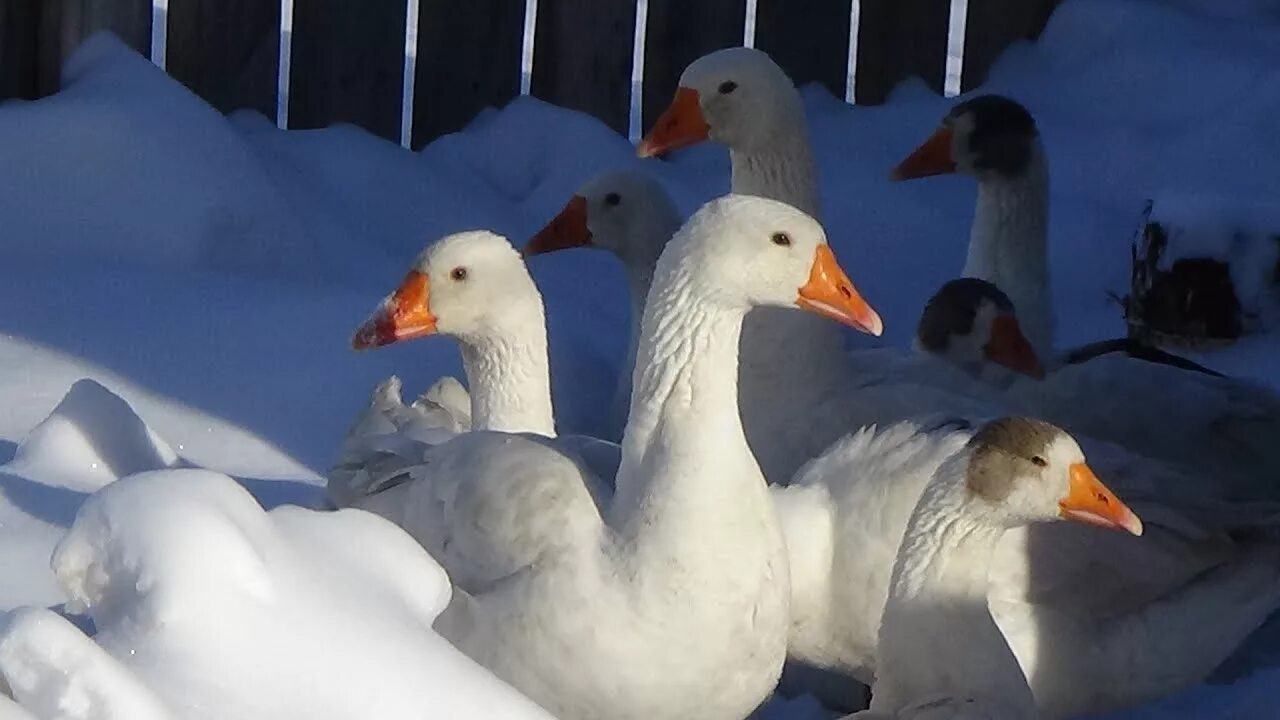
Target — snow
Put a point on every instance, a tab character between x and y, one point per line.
205	274
206	606
1244	233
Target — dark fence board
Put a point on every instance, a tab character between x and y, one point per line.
899	38
19	28
226	51
468	59
582	57
64	24
678	32
810	40
993	25
347	64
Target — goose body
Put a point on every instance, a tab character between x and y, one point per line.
942	654
677	581
1051	587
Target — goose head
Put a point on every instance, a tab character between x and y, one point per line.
970	322
988	137
470	285
626	213
736	96
744	251
1022	470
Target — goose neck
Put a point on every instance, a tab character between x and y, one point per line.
781	168
938	600
510	382
1008	244
948	545
686	469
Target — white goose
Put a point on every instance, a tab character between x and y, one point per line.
1222	427
741	98
941	653
677	590
630	215
1097	621
995	140
500	318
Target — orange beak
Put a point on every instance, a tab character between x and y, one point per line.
404	315
1089	501
566	230
830	292
681	125
1010	348
933	157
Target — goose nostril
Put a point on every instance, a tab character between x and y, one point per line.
846	292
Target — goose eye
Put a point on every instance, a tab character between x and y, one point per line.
459	273
727	87
612	199
1039	461
781	239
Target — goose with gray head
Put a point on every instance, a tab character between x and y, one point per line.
995	140
1224	428
739	97
941	653
678	582
630	215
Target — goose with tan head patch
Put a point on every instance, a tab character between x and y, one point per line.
1097	620
941	653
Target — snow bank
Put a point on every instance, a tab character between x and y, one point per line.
1243	234
91	438
56	673
225	611
125	163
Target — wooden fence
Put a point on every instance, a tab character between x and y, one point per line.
347	58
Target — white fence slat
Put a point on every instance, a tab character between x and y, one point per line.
410	73
159	32
955	47
286	55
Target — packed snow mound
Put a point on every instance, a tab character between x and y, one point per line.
1240	233
127	163
90	439
55	672
226	611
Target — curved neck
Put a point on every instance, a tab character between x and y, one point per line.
1008	246
782	168
938	600
510	381
687	476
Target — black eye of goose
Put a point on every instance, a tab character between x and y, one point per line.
1039	461
782	239
727	87
612	200
459	273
